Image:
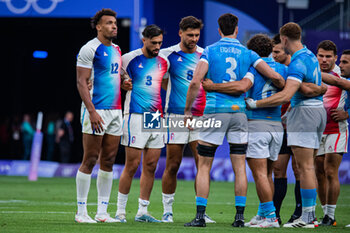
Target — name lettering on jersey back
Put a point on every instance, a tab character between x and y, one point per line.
230	50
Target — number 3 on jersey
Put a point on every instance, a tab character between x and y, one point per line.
149	80
231	69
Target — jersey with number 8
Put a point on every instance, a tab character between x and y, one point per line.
146	75
228	61
304	67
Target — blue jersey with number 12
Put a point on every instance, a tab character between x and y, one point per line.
228	61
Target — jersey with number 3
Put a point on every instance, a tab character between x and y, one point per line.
304	67
104	62
228	61
181	69
146	75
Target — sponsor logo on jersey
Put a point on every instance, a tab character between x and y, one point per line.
105	54
140	66
179	59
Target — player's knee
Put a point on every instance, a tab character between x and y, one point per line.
173	168
330	173
90	162
150	166
206	151
238	149
131	167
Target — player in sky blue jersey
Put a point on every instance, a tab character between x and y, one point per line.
306	121
183	59
265	130
224	61
146	69
99	62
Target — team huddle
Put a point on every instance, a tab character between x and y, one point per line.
242	88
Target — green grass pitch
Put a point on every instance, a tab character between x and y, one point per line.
49	205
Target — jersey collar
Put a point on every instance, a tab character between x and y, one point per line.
226	39
297	53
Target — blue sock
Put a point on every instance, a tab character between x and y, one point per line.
260	211
308	197
201	201
268	209
240	201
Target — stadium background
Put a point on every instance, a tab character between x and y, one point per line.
30	85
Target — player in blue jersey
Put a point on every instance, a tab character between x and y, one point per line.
99	63
183	59
306	121
224	61
146	69
280	165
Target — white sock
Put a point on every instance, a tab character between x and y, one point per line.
168	200
121	204
104	185
83	186
331	210
307	214
143	204
324	208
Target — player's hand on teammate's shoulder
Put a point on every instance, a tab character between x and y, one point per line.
96	121
207	85
339	115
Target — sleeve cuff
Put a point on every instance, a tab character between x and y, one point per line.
250	76
257	62
202	59
294	78
84	66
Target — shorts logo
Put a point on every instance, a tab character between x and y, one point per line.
330	148
133	139
151	120
172	136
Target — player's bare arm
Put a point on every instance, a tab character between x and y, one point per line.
277	99
264	69
231	88
312	90
165	83
193	89
125	80
83	75
335	81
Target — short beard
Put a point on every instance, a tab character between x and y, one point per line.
187	46
151	53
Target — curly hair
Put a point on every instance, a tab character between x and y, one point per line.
95	20
261	44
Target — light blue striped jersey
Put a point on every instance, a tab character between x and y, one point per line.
263	88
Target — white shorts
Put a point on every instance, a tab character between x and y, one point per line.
135	136
179	135
233	125
112	118
334	143
264	139
305	126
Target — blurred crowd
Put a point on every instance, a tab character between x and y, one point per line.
17	133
